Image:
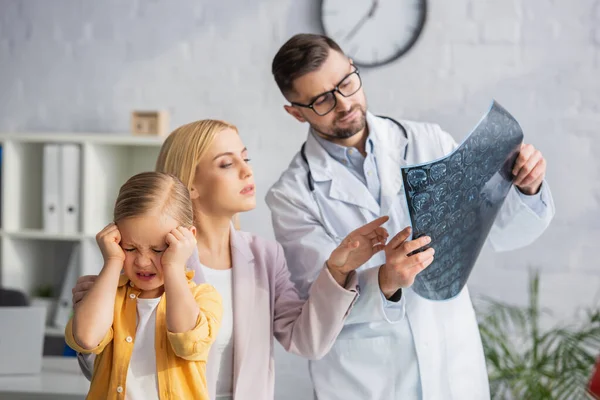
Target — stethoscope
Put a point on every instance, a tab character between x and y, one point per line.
311	181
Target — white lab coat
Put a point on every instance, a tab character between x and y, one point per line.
447	344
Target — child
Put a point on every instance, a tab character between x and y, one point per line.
151	327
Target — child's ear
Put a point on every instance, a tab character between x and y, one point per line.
193	230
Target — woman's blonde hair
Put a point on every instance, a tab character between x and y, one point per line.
185	146
154	191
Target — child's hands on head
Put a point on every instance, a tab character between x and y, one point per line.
108	240
181	242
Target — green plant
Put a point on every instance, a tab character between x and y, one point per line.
44	291
526	362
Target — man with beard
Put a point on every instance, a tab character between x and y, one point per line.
394	344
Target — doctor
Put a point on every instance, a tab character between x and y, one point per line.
394	344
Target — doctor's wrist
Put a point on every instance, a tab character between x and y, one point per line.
388	287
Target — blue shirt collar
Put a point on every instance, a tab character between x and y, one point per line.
339	152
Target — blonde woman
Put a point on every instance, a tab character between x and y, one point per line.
259	299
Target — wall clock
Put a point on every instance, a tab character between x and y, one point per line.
375	32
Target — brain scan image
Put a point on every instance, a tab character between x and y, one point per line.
455	200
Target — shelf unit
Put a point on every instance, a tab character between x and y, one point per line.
31	257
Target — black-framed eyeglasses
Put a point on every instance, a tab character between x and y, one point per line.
325	102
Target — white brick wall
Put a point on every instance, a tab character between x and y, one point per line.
72	65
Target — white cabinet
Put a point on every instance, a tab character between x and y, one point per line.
30	256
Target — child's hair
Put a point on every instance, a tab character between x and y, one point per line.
154	191
185	146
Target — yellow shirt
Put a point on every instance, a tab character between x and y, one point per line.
180	357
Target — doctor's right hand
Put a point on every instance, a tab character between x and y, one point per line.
401	267
357	248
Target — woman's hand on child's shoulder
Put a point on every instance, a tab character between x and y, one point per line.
108	240
83	285
181	242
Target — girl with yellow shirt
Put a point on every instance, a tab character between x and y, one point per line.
149	324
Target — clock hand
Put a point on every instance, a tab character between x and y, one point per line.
362	21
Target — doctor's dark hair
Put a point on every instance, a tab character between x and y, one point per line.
301	54
154	192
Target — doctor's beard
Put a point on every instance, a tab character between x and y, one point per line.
337	132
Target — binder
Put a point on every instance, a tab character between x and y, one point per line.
71	180
51	189
1	185
64	307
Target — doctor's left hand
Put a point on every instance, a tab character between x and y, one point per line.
529	170
357	248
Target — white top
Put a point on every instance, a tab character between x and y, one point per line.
142	380
221	352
